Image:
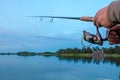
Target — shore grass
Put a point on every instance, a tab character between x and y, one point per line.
87	55
113	55
75	55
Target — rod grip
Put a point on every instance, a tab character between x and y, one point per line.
85	18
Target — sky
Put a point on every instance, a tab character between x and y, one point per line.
20	33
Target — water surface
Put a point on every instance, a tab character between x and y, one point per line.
15	67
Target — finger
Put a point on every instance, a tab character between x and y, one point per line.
113	37
96	17
114	43
113	40
112	33
116	27
98	23
94	21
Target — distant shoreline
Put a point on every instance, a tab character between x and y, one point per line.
55	54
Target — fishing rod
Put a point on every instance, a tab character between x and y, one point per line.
84	18
91	38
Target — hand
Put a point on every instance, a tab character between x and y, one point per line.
100	18
114	35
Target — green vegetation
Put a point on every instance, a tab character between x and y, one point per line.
74	55
34	54
85	55
73	52
26	54
110	52
113	55
47	54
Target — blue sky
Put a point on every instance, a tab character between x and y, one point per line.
19	33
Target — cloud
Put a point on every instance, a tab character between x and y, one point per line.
13	42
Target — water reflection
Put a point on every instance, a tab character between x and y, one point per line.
57	68
111	60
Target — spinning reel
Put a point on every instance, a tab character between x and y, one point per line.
94	39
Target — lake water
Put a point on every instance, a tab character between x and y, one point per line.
15	67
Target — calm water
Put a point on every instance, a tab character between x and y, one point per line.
15	67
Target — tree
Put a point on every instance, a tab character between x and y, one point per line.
84	50
117	49
76	50
61	51
111	50
89	50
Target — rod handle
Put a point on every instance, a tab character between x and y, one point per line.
88	19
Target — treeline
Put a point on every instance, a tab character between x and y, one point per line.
111	50
34	54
